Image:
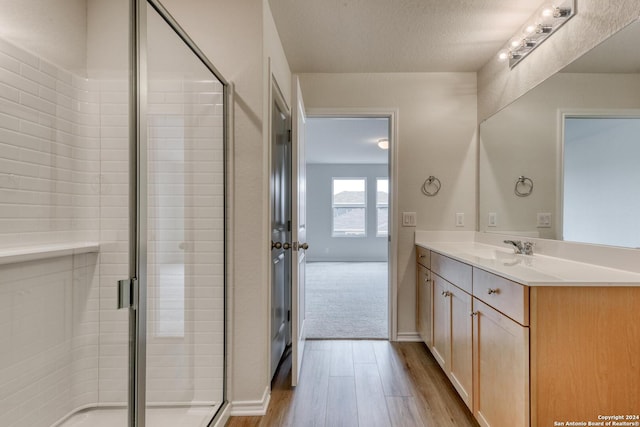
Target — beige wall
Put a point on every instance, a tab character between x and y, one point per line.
61	30
594	22
436	136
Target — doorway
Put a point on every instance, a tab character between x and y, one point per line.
599	176
348	224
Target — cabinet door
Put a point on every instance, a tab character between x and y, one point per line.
461	363
425	306
500	369
441	348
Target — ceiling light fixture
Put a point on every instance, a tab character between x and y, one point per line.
383	143
547	19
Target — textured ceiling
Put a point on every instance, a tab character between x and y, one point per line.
344	36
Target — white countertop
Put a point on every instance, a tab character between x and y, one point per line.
531	270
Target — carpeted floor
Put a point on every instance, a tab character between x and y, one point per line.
347	300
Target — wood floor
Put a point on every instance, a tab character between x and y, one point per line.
363	384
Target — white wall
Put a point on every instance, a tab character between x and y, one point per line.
436	136
498	85
325	247
53	30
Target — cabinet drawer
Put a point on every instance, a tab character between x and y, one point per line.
423	256
456	272
510	298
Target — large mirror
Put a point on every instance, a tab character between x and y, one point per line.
563	161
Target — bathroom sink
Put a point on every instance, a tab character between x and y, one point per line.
491	254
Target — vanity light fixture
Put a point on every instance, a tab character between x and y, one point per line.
544	22
383	143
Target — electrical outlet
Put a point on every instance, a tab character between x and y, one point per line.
544	220
409	219
459	219
493	219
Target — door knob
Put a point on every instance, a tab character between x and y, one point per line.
276	245
286	246
304	246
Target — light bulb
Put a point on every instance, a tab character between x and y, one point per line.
516	43
530	29
548	11
503	55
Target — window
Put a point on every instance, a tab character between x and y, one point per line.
382	207
349	202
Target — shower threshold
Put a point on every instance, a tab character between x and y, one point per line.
157	416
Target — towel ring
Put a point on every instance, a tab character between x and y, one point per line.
524	186
431	186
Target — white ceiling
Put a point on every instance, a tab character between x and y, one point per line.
346	140
340	36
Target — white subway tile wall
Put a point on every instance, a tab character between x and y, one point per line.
49	193
114	240
64	178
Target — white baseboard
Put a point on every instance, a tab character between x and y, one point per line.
409	337
251	408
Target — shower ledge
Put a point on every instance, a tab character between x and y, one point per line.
32	253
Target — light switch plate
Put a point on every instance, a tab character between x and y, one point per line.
544	220
409	219
493	219
459	219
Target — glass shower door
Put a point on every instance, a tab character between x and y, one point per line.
185	232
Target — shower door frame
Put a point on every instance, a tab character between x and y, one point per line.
138	184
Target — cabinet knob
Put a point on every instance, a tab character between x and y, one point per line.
422	256
446	293
493	291
473	313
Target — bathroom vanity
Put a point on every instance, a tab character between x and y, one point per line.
530	340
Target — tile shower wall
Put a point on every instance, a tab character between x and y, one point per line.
114	240
64	178
49	152
49	193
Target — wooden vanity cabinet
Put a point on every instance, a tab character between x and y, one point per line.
500	368
585	353
424	296
452	335
532	356
483	352
424	318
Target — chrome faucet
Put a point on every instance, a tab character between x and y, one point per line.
520	247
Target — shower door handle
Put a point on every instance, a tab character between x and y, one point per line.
126	293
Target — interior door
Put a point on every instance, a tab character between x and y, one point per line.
299	231
280	230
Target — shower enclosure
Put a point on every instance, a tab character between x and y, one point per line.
112	194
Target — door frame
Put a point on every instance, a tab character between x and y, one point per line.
392	257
